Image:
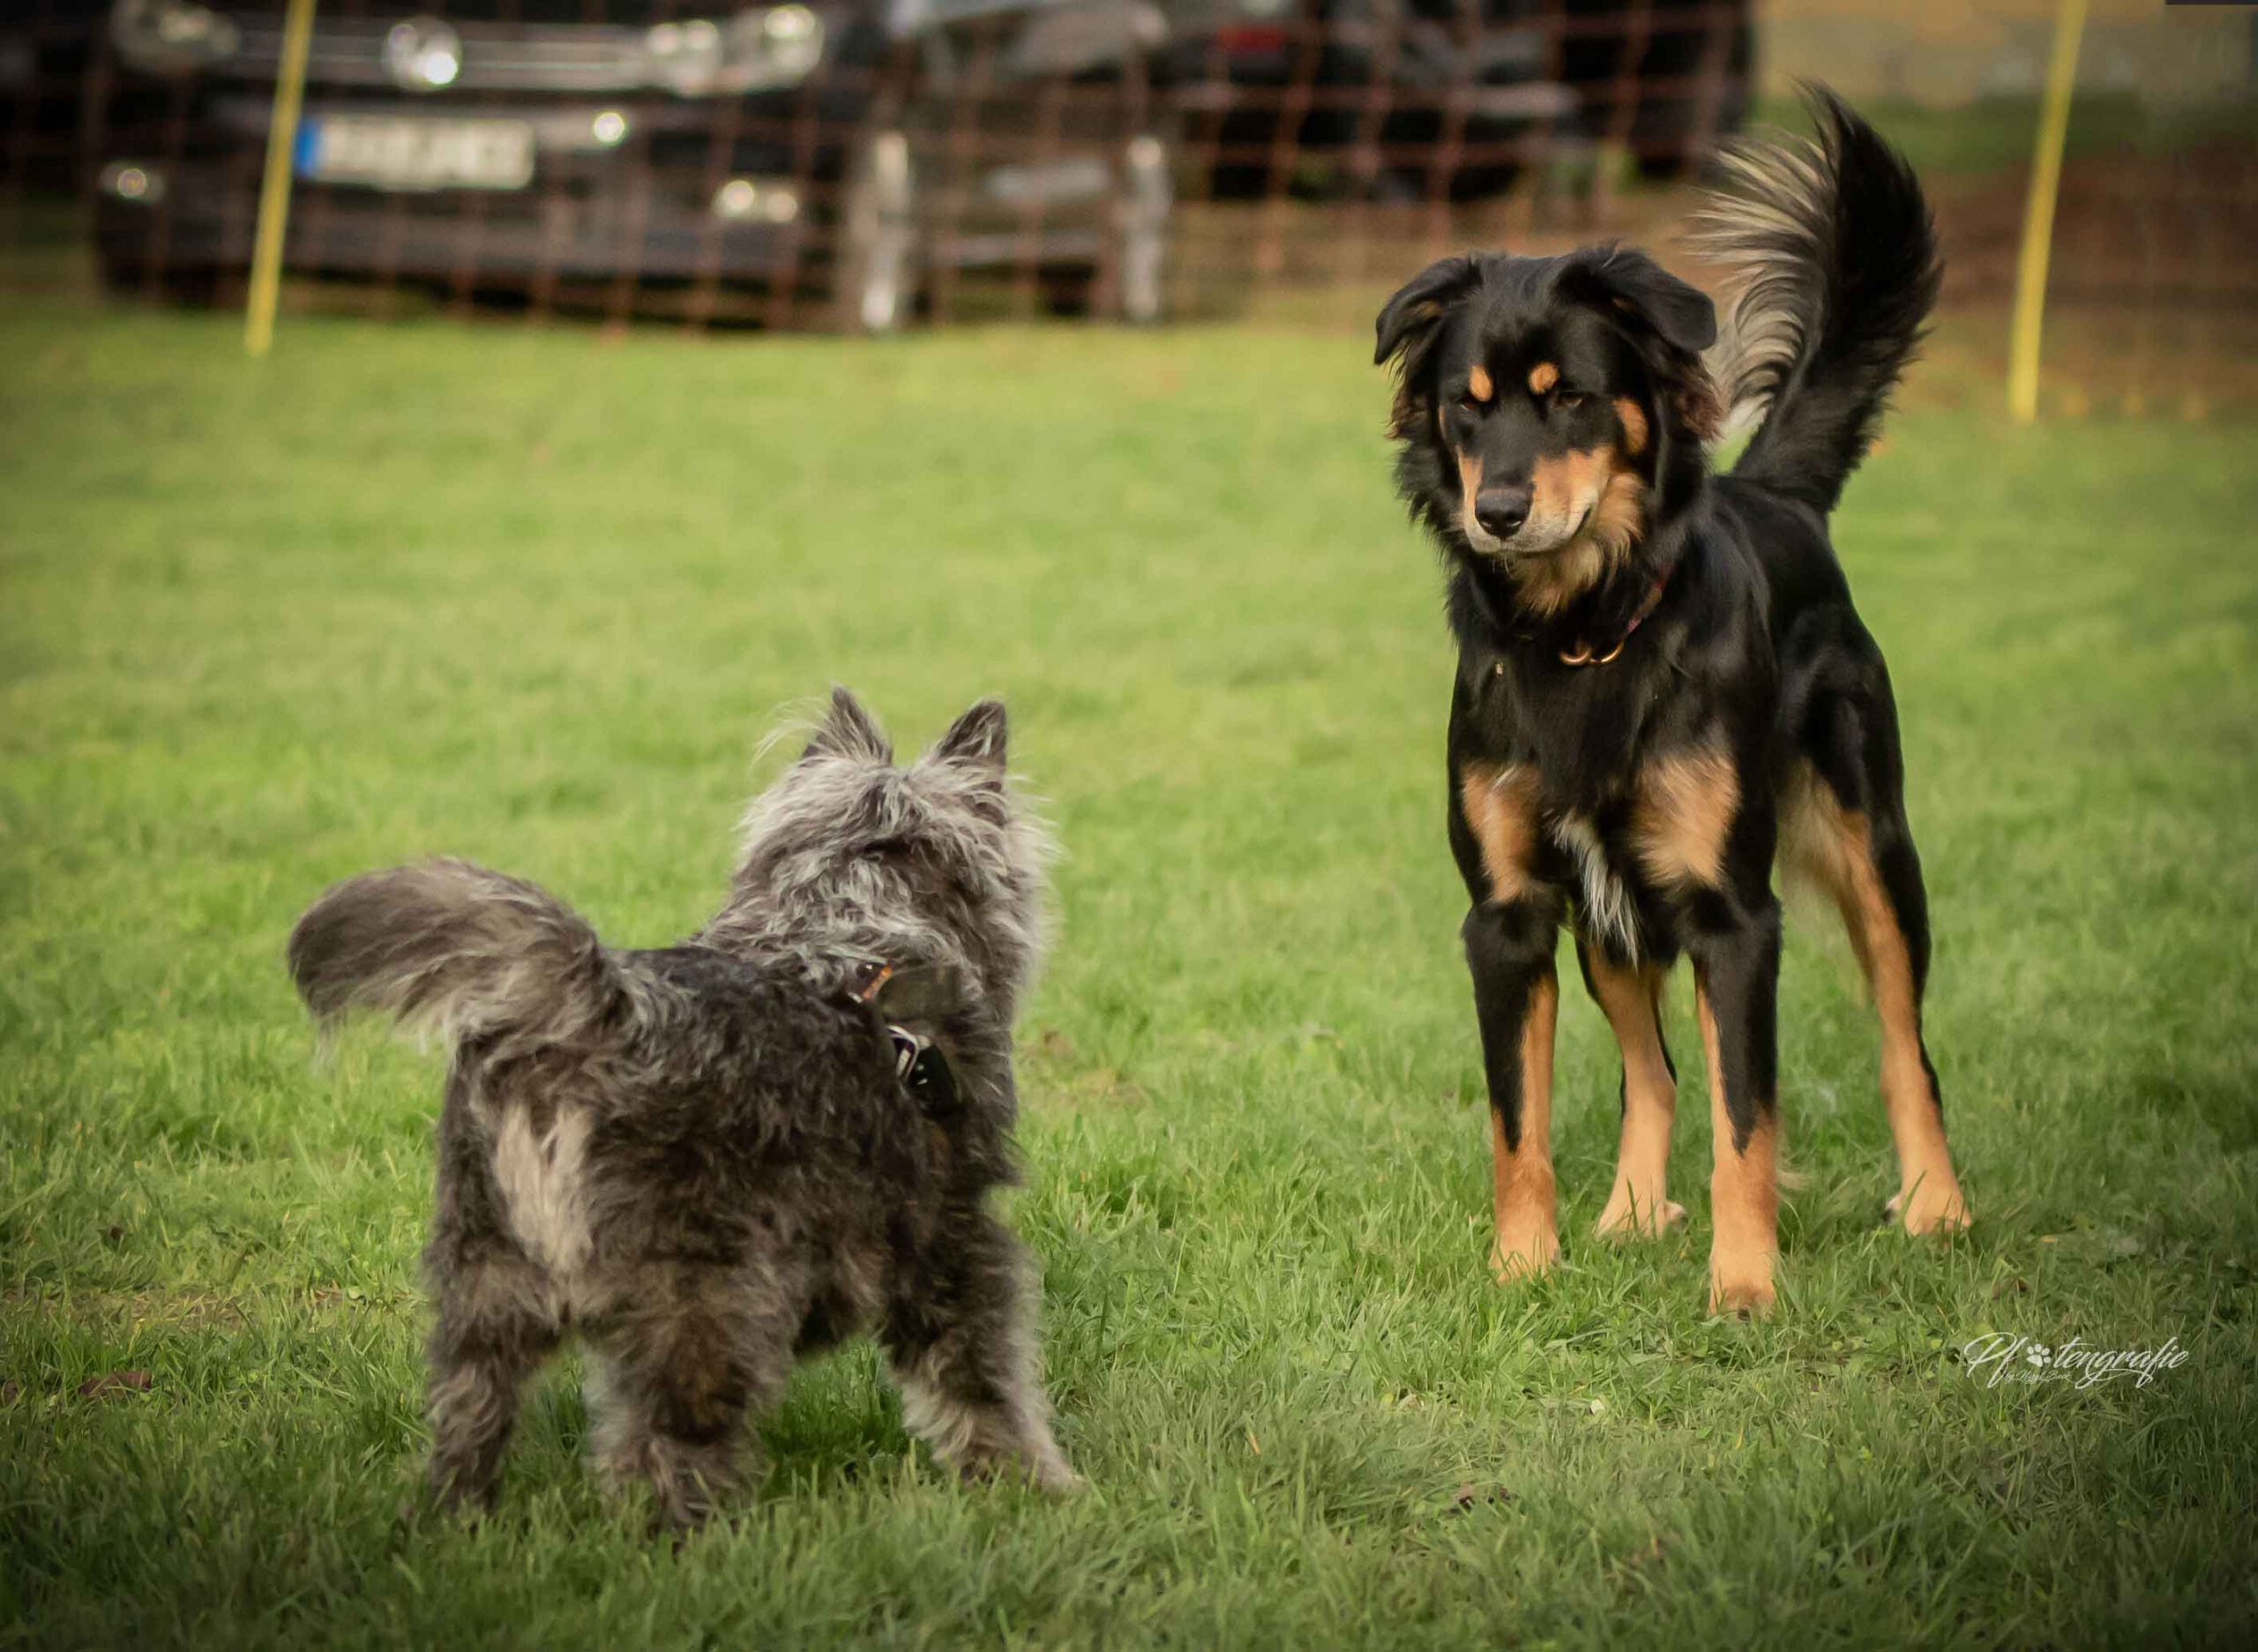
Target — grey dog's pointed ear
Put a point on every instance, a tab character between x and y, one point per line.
1646	294
1418	304
977	738
849	730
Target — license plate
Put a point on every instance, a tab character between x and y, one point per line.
387	153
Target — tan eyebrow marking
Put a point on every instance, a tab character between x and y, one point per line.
1478	384
1543	377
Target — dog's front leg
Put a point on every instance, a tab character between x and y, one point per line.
1736	983
1509	948
962	1350
1630	996
681	1351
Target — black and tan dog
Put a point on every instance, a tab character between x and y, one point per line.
1663	685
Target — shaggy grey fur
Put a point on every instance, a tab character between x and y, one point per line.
700	1158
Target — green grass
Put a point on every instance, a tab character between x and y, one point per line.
534	597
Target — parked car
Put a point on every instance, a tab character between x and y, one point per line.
45	48
1682	67
833	156
1387	98
1404	98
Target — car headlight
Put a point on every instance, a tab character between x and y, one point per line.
168	36
775	46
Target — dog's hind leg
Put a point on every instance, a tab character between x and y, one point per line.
962	1350
1847	832
496	1315
670	1379
494	1326
1631	998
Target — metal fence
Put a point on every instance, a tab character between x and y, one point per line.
856	164
866	164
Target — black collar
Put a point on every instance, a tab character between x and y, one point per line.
1482	650
1583	654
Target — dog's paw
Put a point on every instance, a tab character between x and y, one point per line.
1524	1253
1628	1216
1929	1207
1039	1464
1741	1286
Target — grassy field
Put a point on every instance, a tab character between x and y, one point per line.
536	597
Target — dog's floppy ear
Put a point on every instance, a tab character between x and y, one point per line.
1647	296
1418	304
1670	321
977	739
849	730
1406	329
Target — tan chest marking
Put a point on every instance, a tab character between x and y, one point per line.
1684	814
1499	801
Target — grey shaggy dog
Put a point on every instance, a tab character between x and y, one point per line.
703	1158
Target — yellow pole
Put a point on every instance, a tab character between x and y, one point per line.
274	188
2038	214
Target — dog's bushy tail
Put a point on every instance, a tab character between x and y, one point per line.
453	945
1838	259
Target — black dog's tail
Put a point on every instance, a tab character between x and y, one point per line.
1838	258
451	944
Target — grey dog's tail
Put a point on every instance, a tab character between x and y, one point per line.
455	947
1838	261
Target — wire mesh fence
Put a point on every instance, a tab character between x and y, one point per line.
868	164
856	164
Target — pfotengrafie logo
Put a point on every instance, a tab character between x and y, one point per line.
2002	1357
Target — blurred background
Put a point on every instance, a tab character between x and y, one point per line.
867	165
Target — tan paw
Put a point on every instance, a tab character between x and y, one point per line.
1524	1253
1628	1216
1741	1284
1932	1206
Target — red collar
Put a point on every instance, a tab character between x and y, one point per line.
1582	655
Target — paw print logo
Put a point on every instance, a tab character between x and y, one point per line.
2038	1354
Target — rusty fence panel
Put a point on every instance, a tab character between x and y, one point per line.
868	164
858	164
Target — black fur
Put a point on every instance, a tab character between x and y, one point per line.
1841	258
1685	650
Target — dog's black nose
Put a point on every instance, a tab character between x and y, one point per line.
1501	511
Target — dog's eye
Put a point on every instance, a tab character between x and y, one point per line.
1569	400
1473	403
